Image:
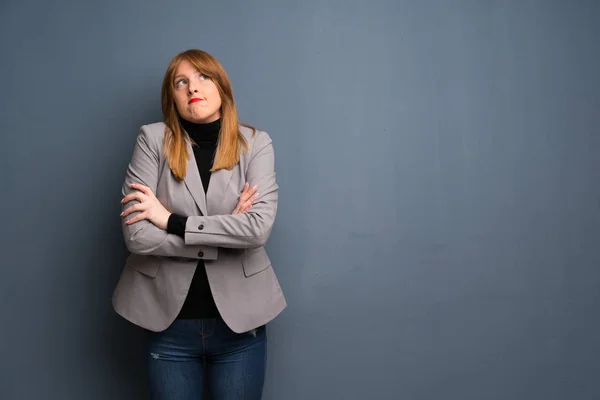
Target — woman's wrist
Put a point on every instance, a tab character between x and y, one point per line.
176	224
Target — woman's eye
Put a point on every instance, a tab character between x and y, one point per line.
180	83
203	77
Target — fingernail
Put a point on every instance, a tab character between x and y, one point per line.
254	187
121	214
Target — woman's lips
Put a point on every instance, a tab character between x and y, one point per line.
194	100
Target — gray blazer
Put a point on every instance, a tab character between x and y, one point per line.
158	272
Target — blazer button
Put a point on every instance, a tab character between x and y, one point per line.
201	227
200	254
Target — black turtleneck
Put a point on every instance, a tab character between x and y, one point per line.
199	302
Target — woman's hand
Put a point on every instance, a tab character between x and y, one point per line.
246	198
151	209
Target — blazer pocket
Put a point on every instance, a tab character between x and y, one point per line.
147	265
254	261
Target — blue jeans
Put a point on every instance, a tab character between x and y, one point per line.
192	353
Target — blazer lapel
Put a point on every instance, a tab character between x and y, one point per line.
193	182
219	180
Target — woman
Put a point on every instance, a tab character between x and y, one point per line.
200	199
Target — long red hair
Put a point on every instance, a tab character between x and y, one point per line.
231	141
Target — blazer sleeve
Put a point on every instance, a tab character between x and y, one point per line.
250	229
143	237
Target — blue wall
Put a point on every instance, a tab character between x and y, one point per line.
439	167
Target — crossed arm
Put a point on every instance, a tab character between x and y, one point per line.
145	223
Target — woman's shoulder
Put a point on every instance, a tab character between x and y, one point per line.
153	134
255	136
156	129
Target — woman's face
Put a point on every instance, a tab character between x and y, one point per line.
196	97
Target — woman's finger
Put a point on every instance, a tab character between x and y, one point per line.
144	189
247	205
134	208
127	211
245	196
244	190
133	196
251	200
248	195
137	218
244	193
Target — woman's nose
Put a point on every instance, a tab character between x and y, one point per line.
192	87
